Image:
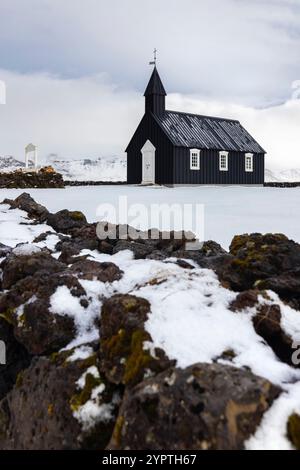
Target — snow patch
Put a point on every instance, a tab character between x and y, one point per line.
26	249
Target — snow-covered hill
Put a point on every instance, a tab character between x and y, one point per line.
9	163
86	169
114	169
289	175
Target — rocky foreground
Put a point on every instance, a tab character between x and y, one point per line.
140	344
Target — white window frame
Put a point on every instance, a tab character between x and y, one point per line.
249	158
221	155
194	159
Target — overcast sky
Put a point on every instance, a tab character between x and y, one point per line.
75	70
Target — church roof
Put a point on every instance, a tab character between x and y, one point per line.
155	86
205	132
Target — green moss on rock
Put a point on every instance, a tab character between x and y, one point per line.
8	315
138	359
79	399
77	215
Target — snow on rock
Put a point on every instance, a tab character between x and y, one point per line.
190	320
50	241
62	302
80	353
26	249
271	434
16	228
94	411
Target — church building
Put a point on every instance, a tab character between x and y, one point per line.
176	148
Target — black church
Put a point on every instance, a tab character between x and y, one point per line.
175	148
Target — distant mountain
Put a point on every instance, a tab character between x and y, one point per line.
9	163
114	169
86	169
290	175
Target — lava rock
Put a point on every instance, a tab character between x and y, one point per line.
124	357
65	221
4	250
27	307
210	255
267	323
257	257
286	285
246	299
26	203
16	358
90	270
205	406
293	430
18	267
47	408
140	250
31	179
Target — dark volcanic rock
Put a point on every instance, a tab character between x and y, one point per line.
27	307
267	323
16	358
43	236
4	250
104	272
293	430
43	410
65	221
83	238
26	203
31	179
258	257
18	267
246	299
140	250
210	256
286	285
123	356
205	406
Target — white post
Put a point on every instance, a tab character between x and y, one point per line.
26	159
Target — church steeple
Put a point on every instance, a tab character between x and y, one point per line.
155	94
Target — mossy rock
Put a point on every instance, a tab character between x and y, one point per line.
8	315
124	359
77	215
293	430
80	398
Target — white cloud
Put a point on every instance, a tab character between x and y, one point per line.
89	116
240	50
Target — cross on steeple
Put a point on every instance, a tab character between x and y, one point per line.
153	62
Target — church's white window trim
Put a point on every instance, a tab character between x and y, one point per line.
194	159
223	160
249	162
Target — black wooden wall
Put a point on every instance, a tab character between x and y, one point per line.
209	172
172	164
149	129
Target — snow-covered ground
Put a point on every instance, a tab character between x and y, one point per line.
228	211
189	317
